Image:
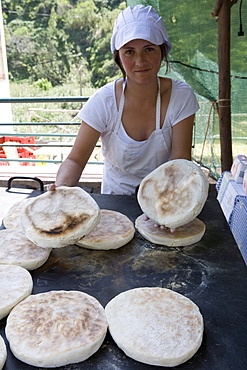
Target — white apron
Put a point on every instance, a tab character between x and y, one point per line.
127	164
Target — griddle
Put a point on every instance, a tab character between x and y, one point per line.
212	273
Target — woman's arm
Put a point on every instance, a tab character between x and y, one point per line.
182	138
70	170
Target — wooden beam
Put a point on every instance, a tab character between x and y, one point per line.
217	7
218	4
224	101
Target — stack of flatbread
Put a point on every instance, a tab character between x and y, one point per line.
3	353
16	284
173	195
56	328
156	326
113	231
17	249
60	217
11	218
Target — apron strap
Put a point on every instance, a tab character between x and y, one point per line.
120	109
121	106
158	104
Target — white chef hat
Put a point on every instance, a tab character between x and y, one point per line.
139	22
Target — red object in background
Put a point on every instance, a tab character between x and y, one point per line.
2	155
23	152
17	139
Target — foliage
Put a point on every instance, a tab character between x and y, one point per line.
47	39
43	84
23	112
100	57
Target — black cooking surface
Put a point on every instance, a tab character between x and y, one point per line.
211	273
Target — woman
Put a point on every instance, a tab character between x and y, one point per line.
143	120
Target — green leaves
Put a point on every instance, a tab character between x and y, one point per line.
47	39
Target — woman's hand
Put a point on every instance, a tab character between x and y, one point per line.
162	227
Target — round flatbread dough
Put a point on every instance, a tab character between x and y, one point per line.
174	193
156	326
113	231
184	235
3	352
16	284
56	328
60	217
17	249
11	218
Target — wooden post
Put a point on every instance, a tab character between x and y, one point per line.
223	11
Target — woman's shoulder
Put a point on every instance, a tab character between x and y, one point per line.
176	84
100	110
104	98
106	91
180	85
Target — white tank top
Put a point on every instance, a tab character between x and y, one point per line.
128	161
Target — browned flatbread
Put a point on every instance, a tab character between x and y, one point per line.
56	328
156	326
113	231
174	193
17	249
60	217
184	235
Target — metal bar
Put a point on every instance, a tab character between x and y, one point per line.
41	124
235	137
41	184
36	145
40	161
38	135
42	145
60	145
45	99
29	160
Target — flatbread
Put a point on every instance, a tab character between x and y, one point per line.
156	326
3	352
184	235
174	193
16	284
113	231
11	218
60	217
17	249
56	328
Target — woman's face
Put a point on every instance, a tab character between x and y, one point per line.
141	60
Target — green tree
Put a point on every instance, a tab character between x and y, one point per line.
53	53
46	39
101	61
21	48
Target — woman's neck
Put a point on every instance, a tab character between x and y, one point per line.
142	92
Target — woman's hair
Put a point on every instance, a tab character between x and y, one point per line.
118	62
